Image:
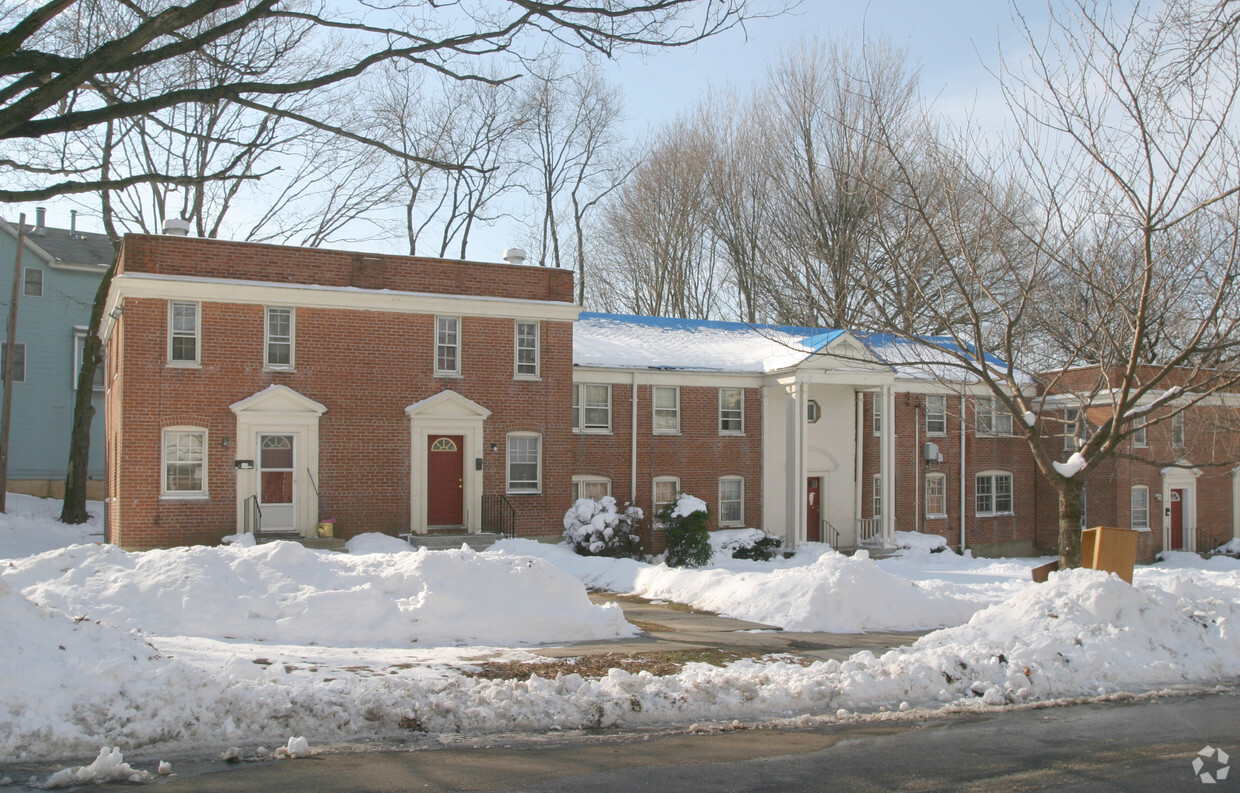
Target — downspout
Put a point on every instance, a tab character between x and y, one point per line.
963	469
633	447
918	524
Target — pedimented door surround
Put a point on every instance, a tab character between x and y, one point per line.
446	414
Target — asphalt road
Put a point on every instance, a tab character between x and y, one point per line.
1118	746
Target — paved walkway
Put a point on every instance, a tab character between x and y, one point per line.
671	626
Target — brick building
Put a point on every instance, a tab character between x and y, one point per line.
405	395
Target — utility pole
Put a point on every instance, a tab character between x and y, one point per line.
10	352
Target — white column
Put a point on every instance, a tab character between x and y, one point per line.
795	464
887	443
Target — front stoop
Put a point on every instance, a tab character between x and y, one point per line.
440	541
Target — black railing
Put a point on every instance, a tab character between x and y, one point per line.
828	533
252	518
1208	540
499	516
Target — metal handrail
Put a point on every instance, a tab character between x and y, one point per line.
828	533
499	516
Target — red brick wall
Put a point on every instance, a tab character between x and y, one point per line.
209	258
698	456
366	368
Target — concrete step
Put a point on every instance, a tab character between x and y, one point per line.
444	542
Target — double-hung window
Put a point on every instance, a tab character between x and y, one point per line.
936	496
731	411
936	414
33	282
878	496
1138	433
594	487
526	349
524	462
994	493
1140	507
731	501
666	488
666	410
1177	430
992	417
1071	417
279	354
878	413
447	346
184	332
185	458
19	361
591	407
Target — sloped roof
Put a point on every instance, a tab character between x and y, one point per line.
78	247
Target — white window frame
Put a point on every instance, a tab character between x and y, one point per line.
26	283
165	462
1177	431
79	346
1139	439
672	412
19	357
532	368
738	501
940	496
1142	524
1070	418
736	414
655	504
876	418
196	335
813	411
992	494
581	480
580	391
289	340
991	418
876	491
936	415
454	345
521	486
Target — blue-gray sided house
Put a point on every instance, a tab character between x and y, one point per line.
61	272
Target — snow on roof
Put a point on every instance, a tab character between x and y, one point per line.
630	341
931	357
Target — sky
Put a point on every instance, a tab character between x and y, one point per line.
952	42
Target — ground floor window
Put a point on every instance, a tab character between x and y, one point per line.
185	455
731	501
524	463
666	488
594	487
1140	507
994	493
936	496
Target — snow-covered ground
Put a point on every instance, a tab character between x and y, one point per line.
191	650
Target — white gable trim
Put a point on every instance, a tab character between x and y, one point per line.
278	399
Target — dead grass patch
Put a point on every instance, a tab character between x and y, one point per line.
660	663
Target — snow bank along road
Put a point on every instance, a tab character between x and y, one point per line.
187	651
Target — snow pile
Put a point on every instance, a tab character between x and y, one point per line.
109	766
596	528
32	525
916	541
284	592
374	542
686	505
830	592
1231	547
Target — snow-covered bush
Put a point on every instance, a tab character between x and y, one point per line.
688	539
755	544
596	528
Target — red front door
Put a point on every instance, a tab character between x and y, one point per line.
1176	508
445	486
813	509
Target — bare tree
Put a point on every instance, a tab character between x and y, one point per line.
1107	236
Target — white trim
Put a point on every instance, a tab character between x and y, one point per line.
735	432
578	396
942	477
993	474
26	270
938	398
1185	479
740	520
654	503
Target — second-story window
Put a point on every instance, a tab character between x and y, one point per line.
279	338
1177	430
183	333
936	414
1138	434
591	407
731	411
447	346
666	409
527	349
33	286
992	417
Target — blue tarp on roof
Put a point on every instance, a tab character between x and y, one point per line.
814	338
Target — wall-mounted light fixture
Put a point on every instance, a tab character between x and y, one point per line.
494	447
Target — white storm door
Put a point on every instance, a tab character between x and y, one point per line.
276	482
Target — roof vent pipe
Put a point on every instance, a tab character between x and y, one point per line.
514	255
176	227
72	222
40	221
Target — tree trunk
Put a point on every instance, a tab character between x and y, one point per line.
74	507
1071	505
